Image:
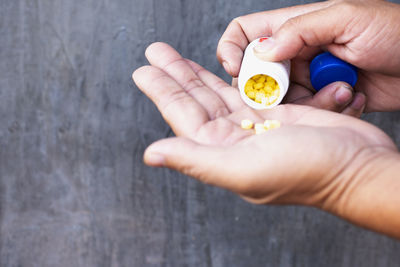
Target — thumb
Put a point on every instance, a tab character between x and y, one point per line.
322	27
205	163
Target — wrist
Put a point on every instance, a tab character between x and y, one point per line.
366	192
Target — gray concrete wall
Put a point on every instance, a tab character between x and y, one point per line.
73	127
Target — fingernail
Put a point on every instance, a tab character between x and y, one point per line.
226	67
358	102
266	45
343	95
154	159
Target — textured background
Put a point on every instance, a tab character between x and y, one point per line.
73	128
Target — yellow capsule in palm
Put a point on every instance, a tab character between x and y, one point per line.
259	128
246	124
272	124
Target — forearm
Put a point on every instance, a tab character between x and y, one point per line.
371	197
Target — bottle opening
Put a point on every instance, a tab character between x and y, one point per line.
262	89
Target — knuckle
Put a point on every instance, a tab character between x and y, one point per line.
356	57
234	24
219	112
237	20
293	27
232	27
293	22
347	7
192	84
172	101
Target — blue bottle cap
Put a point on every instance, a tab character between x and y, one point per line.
326	68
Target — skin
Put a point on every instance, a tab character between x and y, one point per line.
364	33
319	158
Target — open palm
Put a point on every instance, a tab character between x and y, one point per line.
306	156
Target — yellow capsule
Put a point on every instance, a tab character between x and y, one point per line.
272	99
270	79
267	124
271	124
256	77
271	83
258	86
260	94
250	82
247	88
259	128
264	101
275	124
268	89
251	94
261	79
246	124
259	97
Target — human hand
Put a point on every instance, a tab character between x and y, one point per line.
316	158
363	33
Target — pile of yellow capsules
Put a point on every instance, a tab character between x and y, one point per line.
262	89
260	128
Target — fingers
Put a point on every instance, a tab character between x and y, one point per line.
334	97
186	156
357	106
166	58
244	29
338	97
381	89
236	168
230	53
321	27
235	83
228	94
181	111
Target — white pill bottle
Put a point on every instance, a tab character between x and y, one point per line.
252	65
